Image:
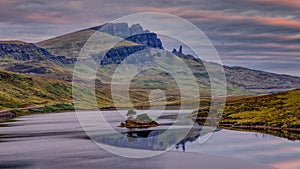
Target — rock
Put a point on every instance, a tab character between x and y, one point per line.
180	49
148	39
135	34
116	29
136	29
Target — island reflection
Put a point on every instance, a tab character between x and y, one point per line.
156	140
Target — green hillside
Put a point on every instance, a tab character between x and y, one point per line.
276	111
23	91
68	45
19	91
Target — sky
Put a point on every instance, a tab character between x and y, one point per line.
258	34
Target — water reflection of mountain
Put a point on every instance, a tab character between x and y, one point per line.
158	140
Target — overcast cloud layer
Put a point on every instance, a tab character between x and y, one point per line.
259	34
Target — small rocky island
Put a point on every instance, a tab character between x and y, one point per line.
141	121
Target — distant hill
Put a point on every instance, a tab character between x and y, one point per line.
250	79
240	78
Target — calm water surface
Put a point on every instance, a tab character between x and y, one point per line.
57	141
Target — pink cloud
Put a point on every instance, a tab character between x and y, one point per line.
266	45
278	22
292	164
261	35
263	54
195	15
205	15
288	3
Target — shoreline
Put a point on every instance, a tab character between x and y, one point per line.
7	115
256	127
17	112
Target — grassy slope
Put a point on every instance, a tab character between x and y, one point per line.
18	91
277	111
276	114
44	69
69	45
22	91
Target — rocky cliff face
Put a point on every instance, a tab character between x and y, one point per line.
120	29
135	34
147	39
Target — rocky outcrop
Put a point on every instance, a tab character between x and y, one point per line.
148	39
137	29
120	29
135	34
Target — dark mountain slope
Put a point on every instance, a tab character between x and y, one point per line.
27	58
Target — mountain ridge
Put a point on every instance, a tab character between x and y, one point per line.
61	54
